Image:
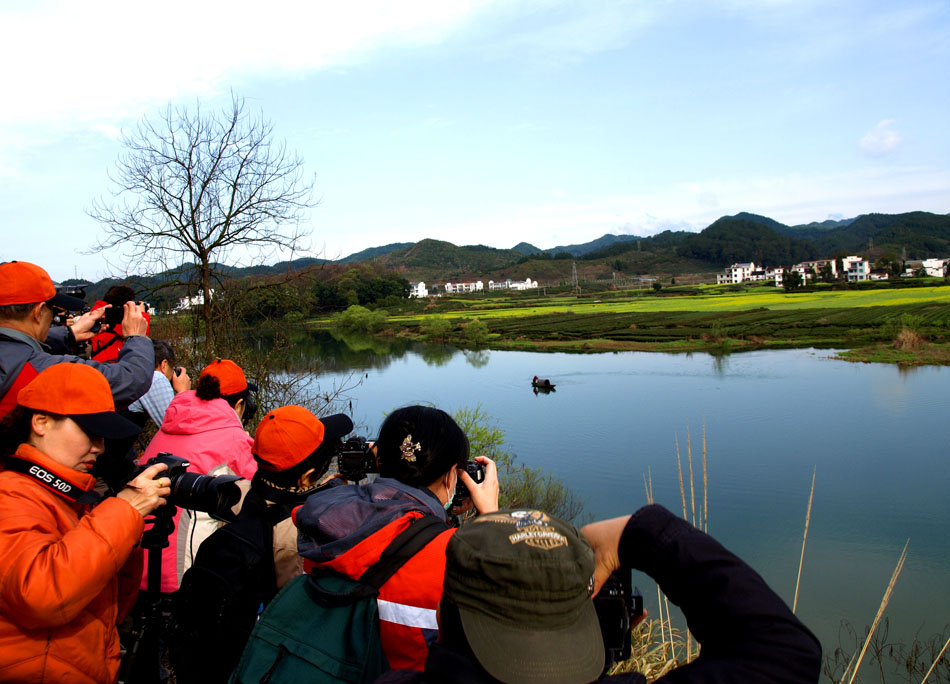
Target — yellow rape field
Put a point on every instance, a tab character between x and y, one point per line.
754	299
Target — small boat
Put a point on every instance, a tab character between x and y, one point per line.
542	383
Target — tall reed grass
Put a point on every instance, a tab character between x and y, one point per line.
659	646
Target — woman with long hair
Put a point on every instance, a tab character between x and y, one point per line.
420	451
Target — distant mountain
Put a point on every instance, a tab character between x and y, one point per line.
756	218
527	248
374	252
593	245
918	234
744	238
450	261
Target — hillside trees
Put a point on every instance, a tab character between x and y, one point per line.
204	187
731	240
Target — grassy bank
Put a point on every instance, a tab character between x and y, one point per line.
718	319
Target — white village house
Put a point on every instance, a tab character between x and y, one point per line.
418	289
509	284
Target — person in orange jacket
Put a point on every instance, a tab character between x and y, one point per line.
69	569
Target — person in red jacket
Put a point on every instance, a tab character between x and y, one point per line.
346	528
68	569
107	344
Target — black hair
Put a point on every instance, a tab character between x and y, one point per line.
163	352
281	486
210	388
15	430
16	426
118	295
434	445
16	312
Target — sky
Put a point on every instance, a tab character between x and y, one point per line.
488	121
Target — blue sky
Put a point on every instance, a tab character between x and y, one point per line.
483	122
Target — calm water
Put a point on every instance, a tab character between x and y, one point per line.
879	436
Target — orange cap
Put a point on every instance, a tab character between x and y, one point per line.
229	375
25	283
80	392
288	435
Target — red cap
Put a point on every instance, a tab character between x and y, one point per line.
288	435
229	375
80	392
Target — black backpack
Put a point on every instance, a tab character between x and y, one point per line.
223	592
324	627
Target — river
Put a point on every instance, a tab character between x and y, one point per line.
878	435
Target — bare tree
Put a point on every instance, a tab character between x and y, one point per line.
196	187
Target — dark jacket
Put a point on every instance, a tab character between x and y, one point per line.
21	355
346	528
747	632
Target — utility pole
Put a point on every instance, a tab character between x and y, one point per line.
575	287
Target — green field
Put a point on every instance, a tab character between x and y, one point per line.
770	298
712	318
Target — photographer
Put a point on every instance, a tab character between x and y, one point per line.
68	570
167	381
108	342
346	528
516	607
245	563
28	345
203	426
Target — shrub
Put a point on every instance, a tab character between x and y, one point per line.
358	318
521	485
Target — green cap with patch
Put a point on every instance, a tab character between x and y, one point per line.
522	581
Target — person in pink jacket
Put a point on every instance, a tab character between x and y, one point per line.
203	426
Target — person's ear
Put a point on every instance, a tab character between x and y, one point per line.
239	407
40	423
305	481
37	312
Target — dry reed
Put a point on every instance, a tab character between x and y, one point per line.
880	612
669	620
801	561
679	468
705	483
689	460
936	660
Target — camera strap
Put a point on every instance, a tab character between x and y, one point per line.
51	481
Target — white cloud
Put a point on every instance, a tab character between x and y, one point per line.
111	60
881	139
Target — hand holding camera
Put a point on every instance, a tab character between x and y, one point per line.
133	322
147	491
478	482
86	326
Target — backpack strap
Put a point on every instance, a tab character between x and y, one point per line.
405	545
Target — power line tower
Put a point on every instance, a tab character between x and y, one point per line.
575	287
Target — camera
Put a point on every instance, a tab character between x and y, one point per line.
617	606
214	495
113	316
355	459
477	472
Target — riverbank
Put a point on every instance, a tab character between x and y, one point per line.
865	321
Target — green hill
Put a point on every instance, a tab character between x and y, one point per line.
742	238
919	234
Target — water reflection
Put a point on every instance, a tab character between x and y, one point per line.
477	358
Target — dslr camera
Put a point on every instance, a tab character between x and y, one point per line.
214	495
476	471
355	459
618	607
